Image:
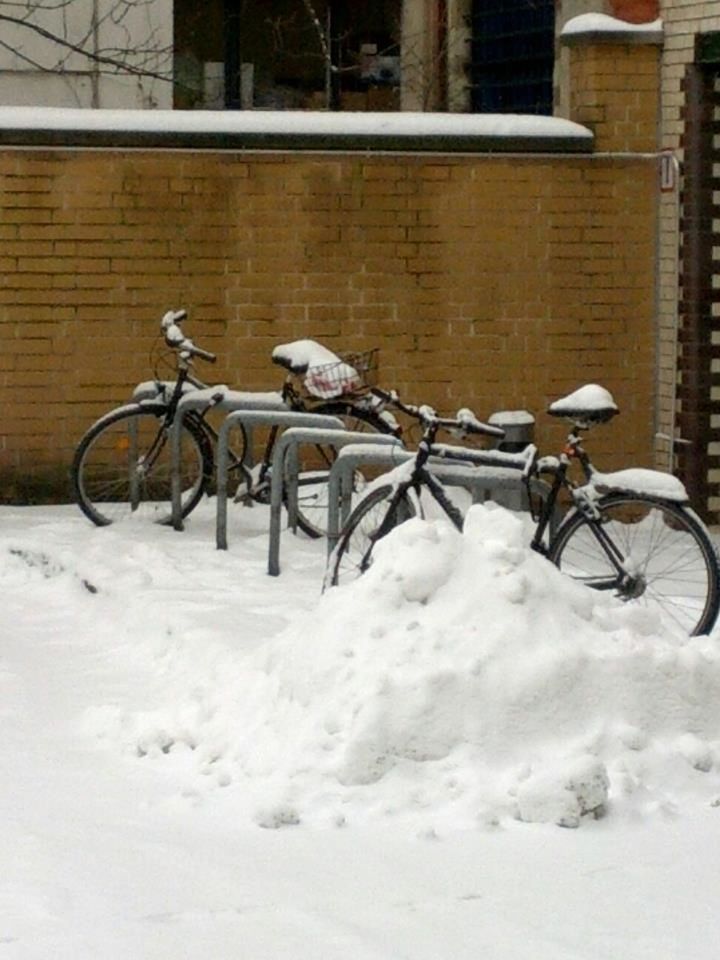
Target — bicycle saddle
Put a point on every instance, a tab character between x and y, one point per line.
588	405
299	355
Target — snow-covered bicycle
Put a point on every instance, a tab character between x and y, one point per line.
631	532
122	468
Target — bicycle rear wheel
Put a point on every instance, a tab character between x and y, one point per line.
316	461
121	467
671	561
371	520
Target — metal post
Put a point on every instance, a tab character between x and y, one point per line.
219	398
133	463
289	442
288	418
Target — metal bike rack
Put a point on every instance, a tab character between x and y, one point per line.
321	423
480	480
216	398
284	474
355	450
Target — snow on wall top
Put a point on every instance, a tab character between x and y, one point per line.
601	23
270	129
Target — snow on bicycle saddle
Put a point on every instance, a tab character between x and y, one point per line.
587	405
299	355
326	374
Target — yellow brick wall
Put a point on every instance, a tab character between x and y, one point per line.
493	282
615	92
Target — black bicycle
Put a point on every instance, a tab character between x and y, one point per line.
631	532
121	468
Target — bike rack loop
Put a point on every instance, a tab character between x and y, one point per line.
321	423
286	453
217	398
340	482
479	479
288	462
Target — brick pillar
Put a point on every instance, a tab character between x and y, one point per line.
615	85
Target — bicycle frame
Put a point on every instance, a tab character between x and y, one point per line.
628	532
172	400
421	477
255	486
624	578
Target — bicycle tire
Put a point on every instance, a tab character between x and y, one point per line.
373	518
671	551
106	486
315	463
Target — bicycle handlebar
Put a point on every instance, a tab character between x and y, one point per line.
391	397
189	347
176	339
464	422
172	317
470	423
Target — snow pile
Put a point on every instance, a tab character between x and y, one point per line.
462	681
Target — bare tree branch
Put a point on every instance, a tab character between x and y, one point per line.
117	59
324	45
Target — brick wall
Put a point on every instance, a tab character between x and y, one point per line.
490	281
616	92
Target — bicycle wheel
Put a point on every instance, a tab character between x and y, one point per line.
373	518
671	563
121	467
315	463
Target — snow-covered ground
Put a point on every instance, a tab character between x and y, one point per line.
202	762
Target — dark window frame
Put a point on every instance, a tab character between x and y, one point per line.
512	56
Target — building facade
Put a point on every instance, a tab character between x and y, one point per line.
411	55
494	55
689	249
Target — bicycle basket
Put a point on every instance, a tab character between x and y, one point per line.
351	373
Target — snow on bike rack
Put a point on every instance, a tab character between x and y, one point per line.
319	423
480	479
285	471
219	398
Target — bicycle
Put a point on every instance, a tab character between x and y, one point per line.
631	532
121	467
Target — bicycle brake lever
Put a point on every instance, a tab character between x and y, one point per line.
171	318
174	337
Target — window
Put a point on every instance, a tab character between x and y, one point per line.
513	48
274	54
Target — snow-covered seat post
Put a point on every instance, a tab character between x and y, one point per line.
591	405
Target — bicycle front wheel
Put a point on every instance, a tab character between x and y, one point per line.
316	461
669	562
372	519
121	468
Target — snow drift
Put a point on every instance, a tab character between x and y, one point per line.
461	681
